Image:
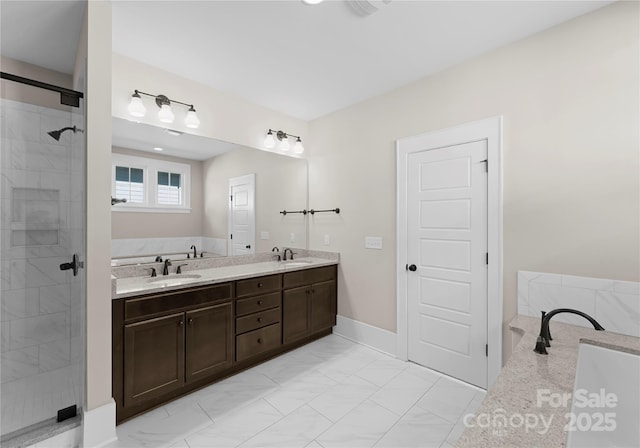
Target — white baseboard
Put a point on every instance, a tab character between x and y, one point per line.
378	339
99	426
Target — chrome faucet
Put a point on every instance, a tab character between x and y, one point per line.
284	254
195	252
545	336
167	263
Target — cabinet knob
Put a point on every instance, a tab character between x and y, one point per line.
259	340
259	319
259	285
260	302
180	323
190	321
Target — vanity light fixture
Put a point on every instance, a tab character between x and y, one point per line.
283	137
165	114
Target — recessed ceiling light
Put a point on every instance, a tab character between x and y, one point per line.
312	2
173	132
157	148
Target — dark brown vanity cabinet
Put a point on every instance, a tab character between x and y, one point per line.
166	345
309	302
258	316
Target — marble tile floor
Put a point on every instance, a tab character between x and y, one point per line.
330	393
37	398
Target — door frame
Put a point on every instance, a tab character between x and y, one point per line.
489	129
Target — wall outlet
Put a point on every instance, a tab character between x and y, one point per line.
264	235
373	242
292	237
327	240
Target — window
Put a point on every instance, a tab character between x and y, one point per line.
130	184
150	185
169	191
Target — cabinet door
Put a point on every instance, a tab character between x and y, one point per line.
209	341
323	305
153	358
295	313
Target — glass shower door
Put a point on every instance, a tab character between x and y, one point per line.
42	193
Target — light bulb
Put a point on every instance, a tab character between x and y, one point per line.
136	107
269	141
166	114
284	143
191	120
298	148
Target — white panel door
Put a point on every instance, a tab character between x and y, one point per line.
447	243
242	226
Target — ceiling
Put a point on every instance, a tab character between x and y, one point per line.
145	137
304	61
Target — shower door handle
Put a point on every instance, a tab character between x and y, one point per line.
75	265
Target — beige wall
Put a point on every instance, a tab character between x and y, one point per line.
98	260
32	95
161	225
569	98
281	184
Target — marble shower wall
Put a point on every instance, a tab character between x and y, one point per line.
41	225
614	304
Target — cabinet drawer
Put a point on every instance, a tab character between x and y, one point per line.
258	285
257	341
308	276
258	303
257	320
175	300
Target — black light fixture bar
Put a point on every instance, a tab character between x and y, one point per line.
68	97
280	134
161	99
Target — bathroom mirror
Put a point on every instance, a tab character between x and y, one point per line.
280	183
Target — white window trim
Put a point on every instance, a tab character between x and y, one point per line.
151	168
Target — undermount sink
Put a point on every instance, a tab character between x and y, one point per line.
174	280
296	264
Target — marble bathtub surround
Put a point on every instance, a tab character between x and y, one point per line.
614	304
515	391
129	281
151	247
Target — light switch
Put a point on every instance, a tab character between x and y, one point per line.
327	239
264	235
373	242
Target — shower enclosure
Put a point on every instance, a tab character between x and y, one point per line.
42	245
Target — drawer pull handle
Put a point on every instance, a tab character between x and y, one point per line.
259	340
260	302
259	285
180	323
259	319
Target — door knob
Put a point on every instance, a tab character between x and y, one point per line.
411	267
74	265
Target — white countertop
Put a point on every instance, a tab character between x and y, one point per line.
134	286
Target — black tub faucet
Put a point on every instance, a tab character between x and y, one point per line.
545	336
167	263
